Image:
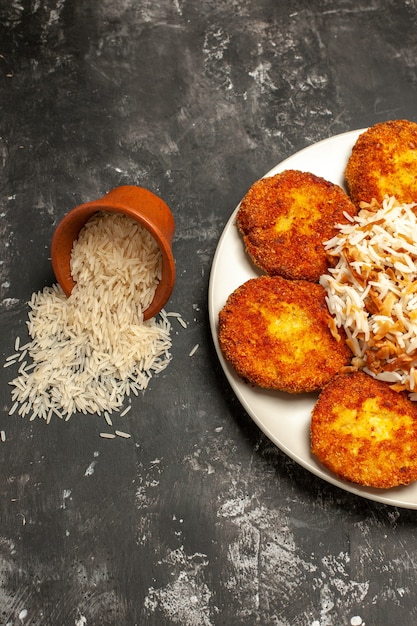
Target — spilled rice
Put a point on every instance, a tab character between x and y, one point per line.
90	351
372	290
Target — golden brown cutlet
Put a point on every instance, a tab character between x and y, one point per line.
365	432
284	220
384	162
275	333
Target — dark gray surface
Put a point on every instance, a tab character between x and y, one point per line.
198	520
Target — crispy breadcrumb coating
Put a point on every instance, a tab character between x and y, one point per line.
384	162
276	335
286	218
365	432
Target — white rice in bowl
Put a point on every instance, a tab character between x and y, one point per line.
372	290
89	351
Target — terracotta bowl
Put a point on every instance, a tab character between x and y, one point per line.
140	204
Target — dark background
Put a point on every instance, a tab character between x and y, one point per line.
197	520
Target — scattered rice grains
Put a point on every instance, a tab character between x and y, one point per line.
89	351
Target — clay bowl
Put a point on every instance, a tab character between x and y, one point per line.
140	204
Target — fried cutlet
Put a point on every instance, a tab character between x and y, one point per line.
284	220
384	162
275	333
365	432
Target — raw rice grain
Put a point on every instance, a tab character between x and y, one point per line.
122	434
88	351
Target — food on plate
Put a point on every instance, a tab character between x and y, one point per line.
89	351
372	290
365	432
364	423
275	333
284	220
384	162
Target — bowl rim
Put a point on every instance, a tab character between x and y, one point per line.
70	226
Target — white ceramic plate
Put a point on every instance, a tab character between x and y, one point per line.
285	418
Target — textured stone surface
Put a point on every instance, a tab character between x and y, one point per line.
198	519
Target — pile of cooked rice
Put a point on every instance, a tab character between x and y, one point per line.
372	290
89	351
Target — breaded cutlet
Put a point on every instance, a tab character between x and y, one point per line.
286	218
365	432
276	335
384	162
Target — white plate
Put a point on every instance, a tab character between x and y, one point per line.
285	418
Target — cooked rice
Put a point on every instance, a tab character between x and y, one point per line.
90	350
372	290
